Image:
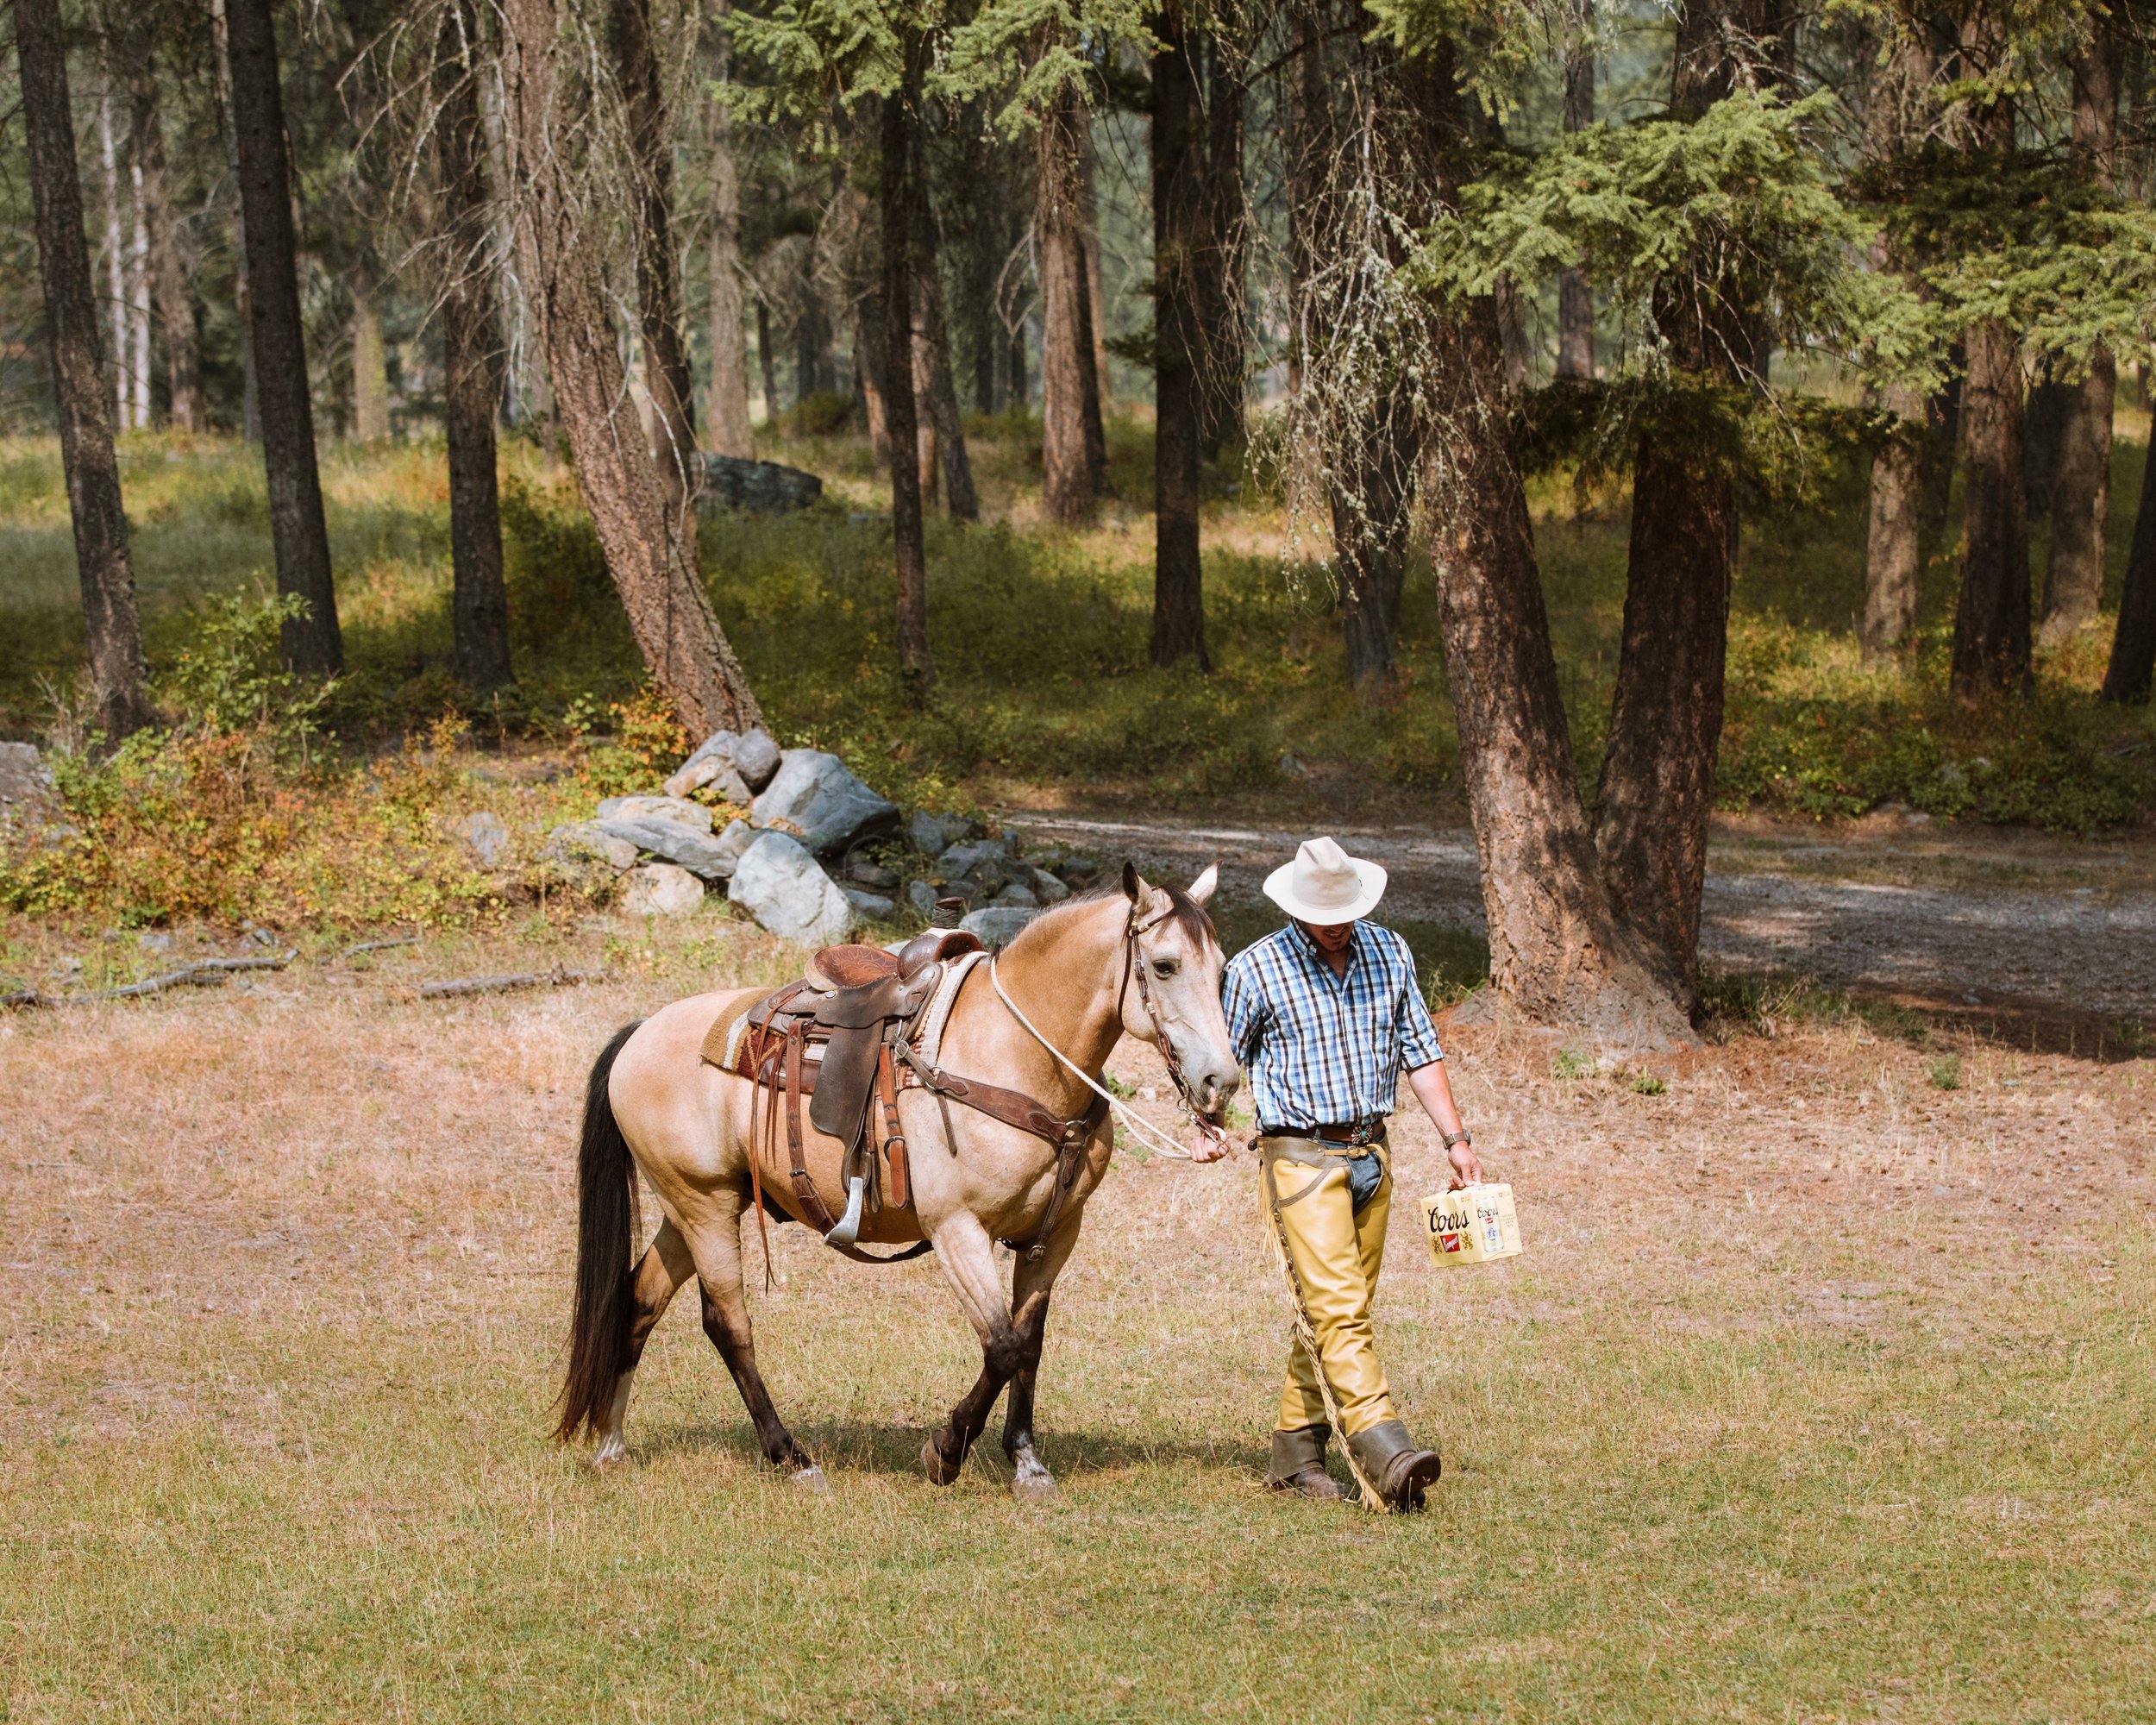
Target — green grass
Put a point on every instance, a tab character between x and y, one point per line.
1041	635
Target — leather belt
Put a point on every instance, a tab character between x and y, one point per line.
1357	1135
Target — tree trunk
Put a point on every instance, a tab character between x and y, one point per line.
1220	308
2081	495
115	250
869	365
370	372
1658	784
138	304
479	611
730	433
1179	233
1892	552
1068	475
1311	140
175	305
665	352
1991	619
1576	300
899	189
243	303
1370	545
2133	647
312	643
1096	307
931	364
766	363
650	548
102	558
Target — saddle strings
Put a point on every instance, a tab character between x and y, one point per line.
1132	1121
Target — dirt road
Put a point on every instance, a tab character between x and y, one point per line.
1942	916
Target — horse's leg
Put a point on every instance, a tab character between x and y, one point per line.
665	1266
1031	1285
967	1256
718	1249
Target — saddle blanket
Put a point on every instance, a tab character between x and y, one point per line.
722	1042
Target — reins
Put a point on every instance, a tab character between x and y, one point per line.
1130	1119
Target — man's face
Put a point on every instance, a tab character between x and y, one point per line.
1331	937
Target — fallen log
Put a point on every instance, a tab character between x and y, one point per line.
204	973
761	487
555	978
379	945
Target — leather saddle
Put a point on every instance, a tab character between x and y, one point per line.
843	1037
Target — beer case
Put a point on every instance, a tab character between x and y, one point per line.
1475	1225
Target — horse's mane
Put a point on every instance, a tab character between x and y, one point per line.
1183	910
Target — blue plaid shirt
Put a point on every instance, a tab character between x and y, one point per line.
1323	1049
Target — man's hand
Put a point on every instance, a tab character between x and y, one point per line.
1467	1167
1208	1147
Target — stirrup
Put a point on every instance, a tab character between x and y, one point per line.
847	1227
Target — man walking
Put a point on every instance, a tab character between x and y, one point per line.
1325	1015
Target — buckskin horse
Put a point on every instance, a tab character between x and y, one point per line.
1014	1161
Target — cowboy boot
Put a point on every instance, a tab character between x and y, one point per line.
1391	1461
1299	1463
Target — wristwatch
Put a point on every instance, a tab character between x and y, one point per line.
1463	1136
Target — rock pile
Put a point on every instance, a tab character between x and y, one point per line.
809	850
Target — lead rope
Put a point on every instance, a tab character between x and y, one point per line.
1306	1333
1132	1121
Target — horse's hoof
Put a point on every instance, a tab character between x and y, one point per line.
1032	1483
611	1453
932	1465
811	1479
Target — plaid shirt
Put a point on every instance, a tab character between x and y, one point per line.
1323	1049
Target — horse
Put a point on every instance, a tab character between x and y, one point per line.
1143	961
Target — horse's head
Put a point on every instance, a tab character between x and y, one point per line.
1173	1000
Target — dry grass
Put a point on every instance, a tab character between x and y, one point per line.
1805	1403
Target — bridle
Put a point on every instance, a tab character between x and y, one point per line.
1138	922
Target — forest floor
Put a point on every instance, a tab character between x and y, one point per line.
1820	1392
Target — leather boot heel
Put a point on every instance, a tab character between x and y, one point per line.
1298	1464
1392	1460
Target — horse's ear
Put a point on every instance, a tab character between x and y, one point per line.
1134	887
1202	888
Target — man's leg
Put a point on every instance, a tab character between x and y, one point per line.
1332	1265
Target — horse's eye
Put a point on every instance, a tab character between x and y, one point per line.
1163	967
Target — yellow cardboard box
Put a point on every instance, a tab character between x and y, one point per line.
1473	1225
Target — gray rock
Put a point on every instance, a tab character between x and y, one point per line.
1048	889
925	834
711	758
922	897
697	852
779	883
863	871
873	906
154	941
483	831
22	776
998	924
958	861
662	889
583	839
761	487
757	758
1017	893
718	774
1080	872
737	837
959	827
815	791
657	808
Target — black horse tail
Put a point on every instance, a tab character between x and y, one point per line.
605	1229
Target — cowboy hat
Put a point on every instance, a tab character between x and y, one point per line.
1324	885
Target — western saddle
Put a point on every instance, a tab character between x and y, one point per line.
844	1036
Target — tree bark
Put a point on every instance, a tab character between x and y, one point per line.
370	371
1892	550
116	251
868	365
102	561
2081	495
1370	546
667	381
1067	378
1179	233
312	641
931	355
1991	619
2133	664
1576	300
169	276
471	340
898	188
1096	307
767	362
1221	309
730	433
650	548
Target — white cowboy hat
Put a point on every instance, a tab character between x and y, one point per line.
1324	885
